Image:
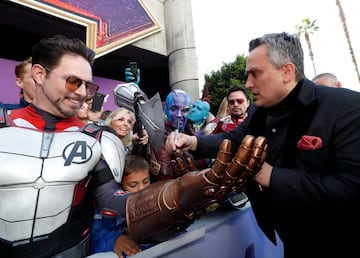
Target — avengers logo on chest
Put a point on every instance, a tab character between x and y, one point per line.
77	152
71	149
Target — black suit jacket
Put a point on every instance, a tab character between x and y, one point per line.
312	193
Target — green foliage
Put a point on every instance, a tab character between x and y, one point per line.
229	74
307	26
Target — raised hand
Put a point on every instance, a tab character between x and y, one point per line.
130	77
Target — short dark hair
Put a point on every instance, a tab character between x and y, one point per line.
49	51
134	163
234	88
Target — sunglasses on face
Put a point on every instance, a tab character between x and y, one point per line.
239	101
72	83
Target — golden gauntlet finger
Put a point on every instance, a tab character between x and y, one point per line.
257	157
178	167
246	163
216	174
251	156
190	165
240	160
181	167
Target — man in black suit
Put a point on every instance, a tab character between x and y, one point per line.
308	189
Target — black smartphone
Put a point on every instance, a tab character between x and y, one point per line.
98	101
133	68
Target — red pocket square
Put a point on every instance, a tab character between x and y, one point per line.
308	142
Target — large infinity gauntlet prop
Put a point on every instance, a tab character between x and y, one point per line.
165	208
246	163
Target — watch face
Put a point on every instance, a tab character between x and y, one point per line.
239	199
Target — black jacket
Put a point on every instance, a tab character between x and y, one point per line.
313	195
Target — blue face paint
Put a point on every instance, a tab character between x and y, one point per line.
199	112
177	107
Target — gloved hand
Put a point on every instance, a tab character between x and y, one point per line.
247	161
130	77
167	207
181	167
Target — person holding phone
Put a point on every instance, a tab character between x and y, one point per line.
96	108
97	102
87	115
132	73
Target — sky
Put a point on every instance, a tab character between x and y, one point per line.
224	28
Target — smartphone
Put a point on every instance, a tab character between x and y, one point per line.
133	68
98	101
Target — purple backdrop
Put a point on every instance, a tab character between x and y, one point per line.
10	91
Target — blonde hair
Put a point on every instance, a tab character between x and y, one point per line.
127	139
223	109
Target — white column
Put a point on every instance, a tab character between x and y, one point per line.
183	63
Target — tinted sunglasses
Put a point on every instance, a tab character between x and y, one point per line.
72	83
239	101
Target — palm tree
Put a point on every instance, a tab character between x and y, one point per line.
308	27
347	36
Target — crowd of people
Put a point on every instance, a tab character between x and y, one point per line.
94	182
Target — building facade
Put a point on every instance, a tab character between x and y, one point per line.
157	34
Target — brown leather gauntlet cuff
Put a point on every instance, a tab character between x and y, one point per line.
153	215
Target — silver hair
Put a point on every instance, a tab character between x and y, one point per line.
282	48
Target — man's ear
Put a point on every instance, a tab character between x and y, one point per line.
19	83
288	72
338	84
38	74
